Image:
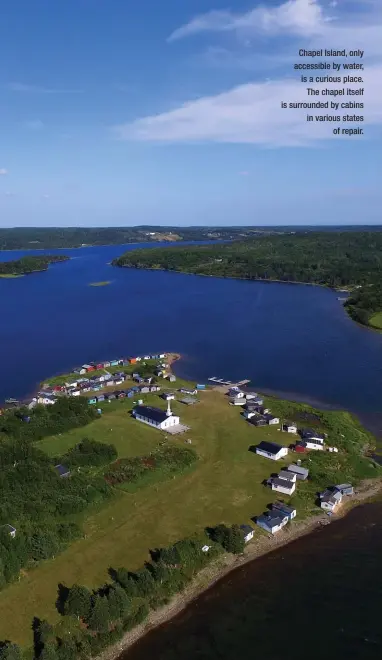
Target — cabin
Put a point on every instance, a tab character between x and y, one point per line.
312	444
235	393
286	474
300	472
184	390
271	450
247	414
156	417
144	389
167	396
249	394
258	420
271	419
284	509
237	401
10	530
247	532
290	428
330	499
345	489
284	486
272	522
61	470
92	400
315	436
172	378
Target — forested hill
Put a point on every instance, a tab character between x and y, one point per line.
27	238
340	259
27	265
24	238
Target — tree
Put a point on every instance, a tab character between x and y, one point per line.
67	650
79	602
49	652
10	652
99	616
231	538
118	602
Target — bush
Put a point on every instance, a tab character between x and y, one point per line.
89	452
169	458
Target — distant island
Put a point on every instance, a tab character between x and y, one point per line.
26	265
105	283
350	261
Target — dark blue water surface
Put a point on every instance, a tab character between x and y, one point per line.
291	339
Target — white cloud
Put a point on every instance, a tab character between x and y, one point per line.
3	171
252	113
301	17
34	124
36	89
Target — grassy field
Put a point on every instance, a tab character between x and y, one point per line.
376	321
224	486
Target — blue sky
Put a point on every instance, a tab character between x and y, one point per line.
122	113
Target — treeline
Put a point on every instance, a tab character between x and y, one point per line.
27	265
96	619
168	459
333	259
41	421
365	302
24	238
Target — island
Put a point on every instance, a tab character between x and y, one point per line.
27	265
104	283
126	490
350	261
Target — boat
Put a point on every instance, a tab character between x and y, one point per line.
11	400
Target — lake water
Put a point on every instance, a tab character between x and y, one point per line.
290	339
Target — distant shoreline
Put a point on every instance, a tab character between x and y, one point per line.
224	565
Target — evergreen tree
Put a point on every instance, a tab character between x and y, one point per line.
118	603
99	616
49	652
67	650
79	602
10	652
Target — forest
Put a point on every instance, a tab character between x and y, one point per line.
31	264
334	259
35	499
27	238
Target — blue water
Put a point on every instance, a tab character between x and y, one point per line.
290	339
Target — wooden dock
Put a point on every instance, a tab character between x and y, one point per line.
224	385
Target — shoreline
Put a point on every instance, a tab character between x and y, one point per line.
348	290
225	564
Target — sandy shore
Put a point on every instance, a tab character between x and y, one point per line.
227	563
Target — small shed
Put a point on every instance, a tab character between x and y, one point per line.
300	472
247	532
62	471
345	489
11	530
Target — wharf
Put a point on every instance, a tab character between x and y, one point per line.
224	385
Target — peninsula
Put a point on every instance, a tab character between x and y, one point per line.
350	261
125	449
27	265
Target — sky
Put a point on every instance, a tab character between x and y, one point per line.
127	112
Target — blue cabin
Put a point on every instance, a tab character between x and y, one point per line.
130	394
114	363
92	400
101	397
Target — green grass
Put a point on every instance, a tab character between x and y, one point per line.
225	485
105	283
10	276
376	321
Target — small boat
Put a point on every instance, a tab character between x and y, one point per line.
11	400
